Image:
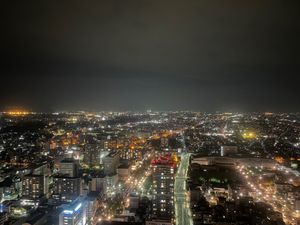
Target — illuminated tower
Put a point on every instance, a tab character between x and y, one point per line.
163	172
75	213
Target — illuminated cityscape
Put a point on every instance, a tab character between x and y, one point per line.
161	112
150	168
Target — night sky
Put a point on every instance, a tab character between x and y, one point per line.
203	55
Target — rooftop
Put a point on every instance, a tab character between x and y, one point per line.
168	160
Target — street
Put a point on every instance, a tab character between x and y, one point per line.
182	208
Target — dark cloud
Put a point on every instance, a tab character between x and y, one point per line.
120	55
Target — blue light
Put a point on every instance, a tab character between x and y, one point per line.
77	207
68	212
3	208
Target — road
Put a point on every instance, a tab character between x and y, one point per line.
289	170
255	180
182	206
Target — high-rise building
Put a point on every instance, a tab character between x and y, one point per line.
66	189
69	167
163	172
67	185
73	214
92	155
34	186
43	169
111	163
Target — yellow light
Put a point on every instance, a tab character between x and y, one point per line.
249	135
17	113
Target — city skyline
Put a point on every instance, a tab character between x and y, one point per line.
144	112
149	168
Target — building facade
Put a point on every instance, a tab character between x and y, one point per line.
163	172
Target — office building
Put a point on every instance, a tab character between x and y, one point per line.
35	186
66	189
69	167
73	214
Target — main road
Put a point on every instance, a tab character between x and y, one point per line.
182	202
